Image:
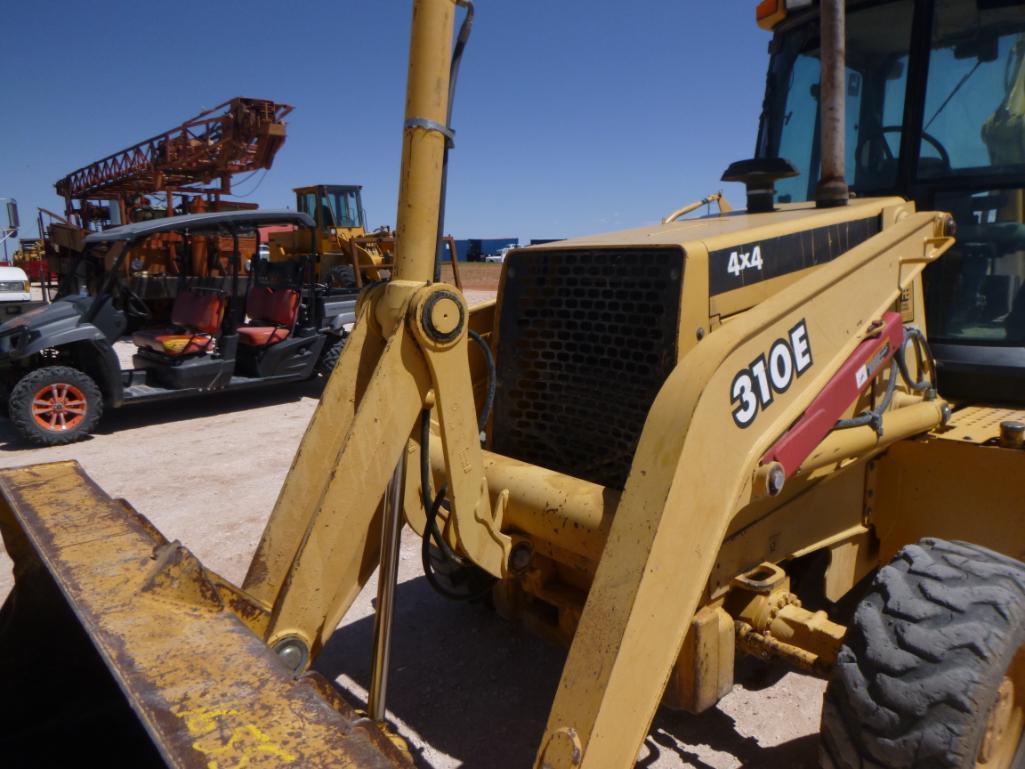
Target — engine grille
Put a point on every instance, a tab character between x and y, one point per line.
585	341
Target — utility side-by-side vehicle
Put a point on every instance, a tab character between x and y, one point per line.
272	324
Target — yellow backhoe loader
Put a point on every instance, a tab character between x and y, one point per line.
702	438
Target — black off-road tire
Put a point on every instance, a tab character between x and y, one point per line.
20	405
331	355
919	672
342	276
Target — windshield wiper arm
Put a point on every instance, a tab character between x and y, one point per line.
956	88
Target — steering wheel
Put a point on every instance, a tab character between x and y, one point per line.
877	137
134	305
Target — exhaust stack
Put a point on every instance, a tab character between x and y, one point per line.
832	188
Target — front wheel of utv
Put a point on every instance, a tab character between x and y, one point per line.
932	671
55	405
331	355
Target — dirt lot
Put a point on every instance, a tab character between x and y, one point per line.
467	688
476	276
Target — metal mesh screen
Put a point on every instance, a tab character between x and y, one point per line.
585	341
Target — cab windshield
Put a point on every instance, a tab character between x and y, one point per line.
958	82
332	207
878	42
973	116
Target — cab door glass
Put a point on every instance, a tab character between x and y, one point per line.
974	117
975	292
327	214
800	112
347	209
308	204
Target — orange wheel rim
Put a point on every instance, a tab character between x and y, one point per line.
59	407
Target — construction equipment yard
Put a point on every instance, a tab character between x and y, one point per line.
518	670
734	486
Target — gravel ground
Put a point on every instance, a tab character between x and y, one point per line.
467	688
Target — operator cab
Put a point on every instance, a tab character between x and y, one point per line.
935	113
332	206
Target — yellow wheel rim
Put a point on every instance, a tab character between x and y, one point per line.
1006	721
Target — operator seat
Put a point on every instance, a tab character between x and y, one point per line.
195	317
272	314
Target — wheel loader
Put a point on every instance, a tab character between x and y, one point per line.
665	447
349	255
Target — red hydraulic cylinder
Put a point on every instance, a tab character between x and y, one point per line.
853	377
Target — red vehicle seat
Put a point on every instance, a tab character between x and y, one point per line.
272	314
196	318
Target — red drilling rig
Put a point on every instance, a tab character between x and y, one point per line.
239	136
184	170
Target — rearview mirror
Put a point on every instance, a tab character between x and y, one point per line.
983	48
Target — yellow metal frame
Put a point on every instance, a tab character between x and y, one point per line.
657	585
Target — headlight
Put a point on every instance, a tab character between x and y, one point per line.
14	285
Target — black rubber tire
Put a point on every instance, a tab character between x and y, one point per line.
331	355
20	405
342	276
919	670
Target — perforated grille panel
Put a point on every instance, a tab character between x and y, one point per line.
585	341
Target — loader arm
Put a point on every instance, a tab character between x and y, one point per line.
666	534
407	354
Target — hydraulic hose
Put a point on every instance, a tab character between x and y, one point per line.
489	397
899	364
433	503
457	55
874	416
912	334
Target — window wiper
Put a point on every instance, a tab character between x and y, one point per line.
953	93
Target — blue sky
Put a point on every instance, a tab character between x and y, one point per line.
571	117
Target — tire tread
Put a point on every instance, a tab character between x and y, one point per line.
26	388
923	659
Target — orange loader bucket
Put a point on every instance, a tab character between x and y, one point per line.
119	649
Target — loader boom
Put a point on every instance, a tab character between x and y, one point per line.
407	352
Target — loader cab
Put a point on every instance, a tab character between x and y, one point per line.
935	113
333	207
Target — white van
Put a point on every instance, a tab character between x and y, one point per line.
14	285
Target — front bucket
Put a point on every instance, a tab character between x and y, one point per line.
118	649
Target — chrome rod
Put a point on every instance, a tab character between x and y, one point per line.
387	578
